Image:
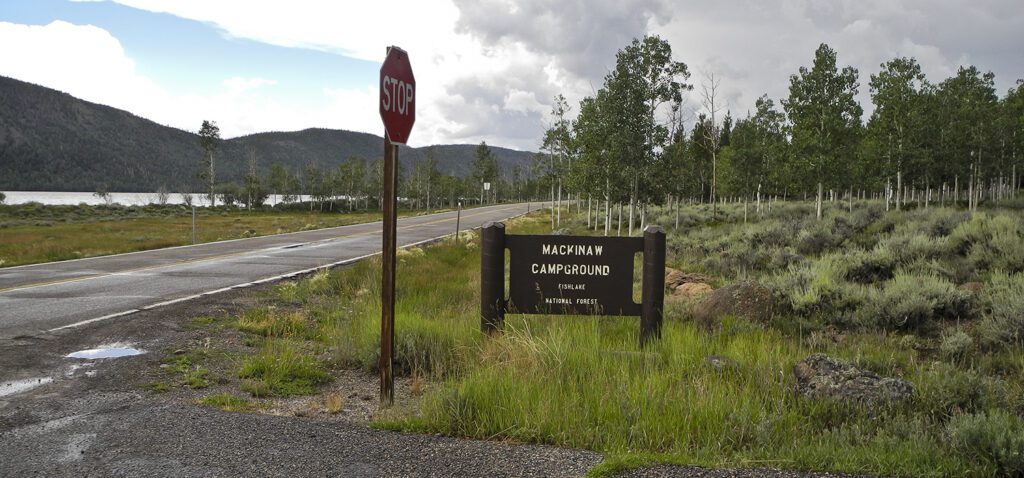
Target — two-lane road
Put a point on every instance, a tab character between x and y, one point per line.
53	296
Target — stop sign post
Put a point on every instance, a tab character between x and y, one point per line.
398	111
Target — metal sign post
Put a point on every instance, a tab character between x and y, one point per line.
398	111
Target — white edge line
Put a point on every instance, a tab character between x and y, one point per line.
260	281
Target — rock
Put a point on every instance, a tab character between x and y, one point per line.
691	290
743	299
719	363
675	278
972	287
821	376
560	232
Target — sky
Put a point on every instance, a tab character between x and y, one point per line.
486	70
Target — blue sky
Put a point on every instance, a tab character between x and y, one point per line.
485	69
192	56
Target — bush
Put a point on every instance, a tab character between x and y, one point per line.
818	288
991	242
996	436
956	345
870	267
1003	302
915	301
817	239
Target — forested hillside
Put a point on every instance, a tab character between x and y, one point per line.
53	141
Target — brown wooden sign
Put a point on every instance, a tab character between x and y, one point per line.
578	275
572	274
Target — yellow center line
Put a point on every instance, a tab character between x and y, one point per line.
219	256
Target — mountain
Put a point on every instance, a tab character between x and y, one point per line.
52	141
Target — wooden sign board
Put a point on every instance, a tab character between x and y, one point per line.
574	275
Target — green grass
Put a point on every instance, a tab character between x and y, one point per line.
876	289
281	368
227	402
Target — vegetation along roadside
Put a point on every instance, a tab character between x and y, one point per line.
925	304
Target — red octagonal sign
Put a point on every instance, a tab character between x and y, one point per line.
397	95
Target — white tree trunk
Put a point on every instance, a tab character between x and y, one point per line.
818	202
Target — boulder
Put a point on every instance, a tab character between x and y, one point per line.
743	299
675	278
690	290
821	376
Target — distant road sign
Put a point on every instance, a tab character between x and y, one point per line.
487	186
397	95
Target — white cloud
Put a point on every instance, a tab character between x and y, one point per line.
82	60
487	69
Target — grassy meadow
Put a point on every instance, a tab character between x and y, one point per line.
34	233
883	290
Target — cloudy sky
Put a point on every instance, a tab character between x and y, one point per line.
485	69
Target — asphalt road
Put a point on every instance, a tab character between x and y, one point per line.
49	297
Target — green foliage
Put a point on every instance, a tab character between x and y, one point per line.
995	436
226	402
910	301
956	344
267	322
1003	301
282	368
825	119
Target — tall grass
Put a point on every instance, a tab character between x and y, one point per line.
872	293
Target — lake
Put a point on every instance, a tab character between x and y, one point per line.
127	199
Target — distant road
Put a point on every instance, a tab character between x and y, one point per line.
47	297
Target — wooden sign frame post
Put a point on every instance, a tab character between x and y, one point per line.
577	275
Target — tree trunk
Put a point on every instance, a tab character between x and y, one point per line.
558	217
619	232
552	205
677	214
818	202
888	193
899	188
632	202
643	217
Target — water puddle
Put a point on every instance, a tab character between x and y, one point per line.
19	386
113	351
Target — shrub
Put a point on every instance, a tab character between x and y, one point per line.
869	267
945	222
915	301
991	242
956	344
996	436
1003	301
817	239
772	236
817	288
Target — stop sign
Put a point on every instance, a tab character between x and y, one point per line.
397	95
